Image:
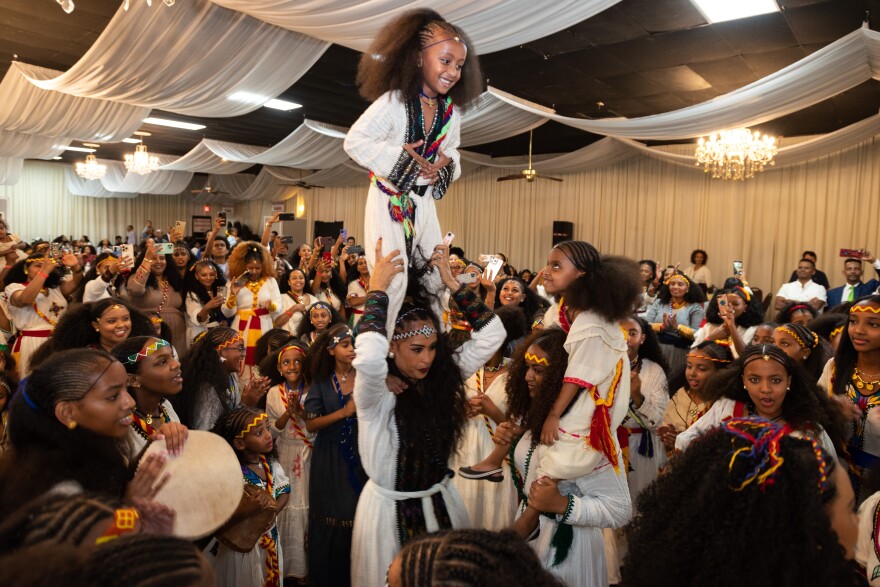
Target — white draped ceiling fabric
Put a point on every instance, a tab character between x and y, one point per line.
196	58
27	146
492	25
203	160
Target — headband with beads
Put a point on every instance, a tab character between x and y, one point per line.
678	276
111	307
104	261
229	342
835	332
745	292
347	333
145	352
456	39
870	309
301	348
319	305
724	343
790	331
425	329
251	426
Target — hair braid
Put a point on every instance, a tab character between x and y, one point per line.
145	560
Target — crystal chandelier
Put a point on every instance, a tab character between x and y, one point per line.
735	154
140	161
90	168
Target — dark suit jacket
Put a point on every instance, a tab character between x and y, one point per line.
862	289
819	277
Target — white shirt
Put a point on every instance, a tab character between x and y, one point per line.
802	293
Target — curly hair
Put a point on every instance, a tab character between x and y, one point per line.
306	327
693	295
759	534
75	330
199	367
694	256
531	304
245	252
392	61
847	356
44	451
269	365
805	405
284	282
480	558
319	364
650	349
785	314
752	316
610	286
191	285
19	272
515	326
521	407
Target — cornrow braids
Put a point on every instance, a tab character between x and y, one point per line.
131	346
145	560
231	425
269	342
202	366
820	349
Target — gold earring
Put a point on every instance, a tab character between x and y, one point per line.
71	425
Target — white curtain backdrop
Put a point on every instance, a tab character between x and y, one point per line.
26	108
197	59
10	170
492	25
92	188
118	179
348	173
27	146
225	188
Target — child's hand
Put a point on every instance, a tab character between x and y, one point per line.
667	435
348	410
550	430
395	384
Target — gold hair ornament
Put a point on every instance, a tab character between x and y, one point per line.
870	309
537	360
229	342
251	426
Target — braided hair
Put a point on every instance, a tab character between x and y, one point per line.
785	315
269	342
45	452
232	424
202	367
720	356
610	286
847	356
478	558
146	560
75	330
820	349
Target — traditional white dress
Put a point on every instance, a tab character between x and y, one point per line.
327	295
287	302
376	142
356	288
376	533
294	445
193	326
491	506
140	433
601	500
255	315
248	569
867	552
33	327
96	289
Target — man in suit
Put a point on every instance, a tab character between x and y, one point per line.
854	288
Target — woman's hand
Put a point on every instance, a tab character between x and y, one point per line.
486	282
349	409
440	260
550	430
235	285
254	391
667	434
544	496
214	302
174	434
506	433
385	268
149	478
483	404
395	384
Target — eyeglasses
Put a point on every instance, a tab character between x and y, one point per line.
240	349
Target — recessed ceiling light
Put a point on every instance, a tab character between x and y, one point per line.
131	140
56	158
282	105
95	145
724	10
174	123
80	149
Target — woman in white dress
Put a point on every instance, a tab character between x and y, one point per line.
295	302
205	288
407	440
732	315
357	292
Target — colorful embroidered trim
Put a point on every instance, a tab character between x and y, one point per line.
563	315
870	309
293	345
444	130
124	522
762	458
249	427
835	332
786	329
145	352
228	343
318	306
536	359
43	316
425	329
579	382
142	428
400	205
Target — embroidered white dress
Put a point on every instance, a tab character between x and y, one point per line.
294	445
34	329
193	327
375	526
255	315
296	318
376	142
491	506
138	439
356	288
867	552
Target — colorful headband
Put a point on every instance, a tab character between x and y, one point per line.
536	359
298	347
835	332
425	329
249	427
678	276
347	333
318	305
105	260
713	359
870	309
790	331
231	341
758	462
745	292
145	352
800	307
456	39
156	320
779	356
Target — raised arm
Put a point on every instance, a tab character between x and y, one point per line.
267	230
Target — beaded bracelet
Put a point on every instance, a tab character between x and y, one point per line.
568	509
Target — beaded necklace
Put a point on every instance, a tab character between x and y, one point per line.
673	306
143	423
255	286
861	383
163	283
43	316
286	395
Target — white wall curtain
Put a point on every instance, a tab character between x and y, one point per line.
118	179
10	170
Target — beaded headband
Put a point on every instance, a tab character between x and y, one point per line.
425	329
536	359
319	305
678	276
790	331
347	333
111	307
251	426
229	342
298	347
145	352
106	260
403	316
723	343
456	39
835	332
799	307
745	292
766	356
870	309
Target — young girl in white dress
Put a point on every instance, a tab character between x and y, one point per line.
295	302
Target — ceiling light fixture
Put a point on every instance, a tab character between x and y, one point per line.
274	103
174	123
141	162
58	158
724	10
735	154
131	140
90	168
79	149
281	105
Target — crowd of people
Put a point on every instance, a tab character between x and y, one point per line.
403	411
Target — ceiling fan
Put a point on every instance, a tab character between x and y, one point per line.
302	184
528	174
209	190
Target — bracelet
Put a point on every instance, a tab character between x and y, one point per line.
568	509
9	266
43	275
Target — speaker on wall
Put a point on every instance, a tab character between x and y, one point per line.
562	231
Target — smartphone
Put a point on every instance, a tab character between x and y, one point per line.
116	250
180	227
447	240
166	248
222	291
127	253
355	250
327	242
737	267
327	257
222	216
485	259
55	250
851	253
722	301
466	278
287	239
493	268
343	233
287	216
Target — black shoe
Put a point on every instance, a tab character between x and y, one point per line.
495	475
